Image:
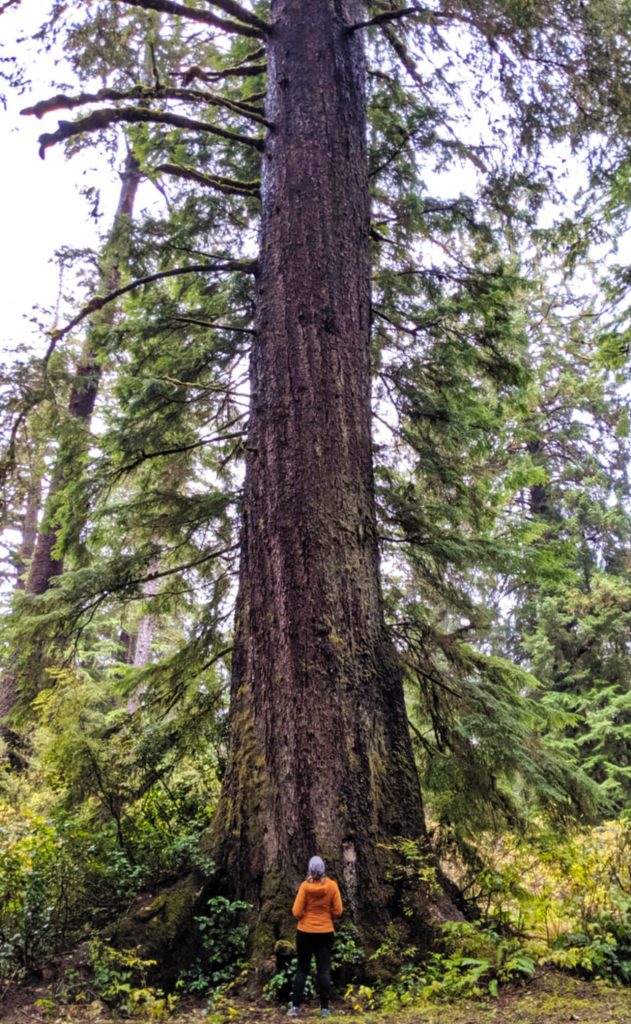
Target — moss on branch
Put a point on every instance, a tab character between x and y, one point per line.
230	186
98	120
142	92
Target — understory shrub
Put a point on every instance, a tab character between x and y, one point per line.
63	878
222	943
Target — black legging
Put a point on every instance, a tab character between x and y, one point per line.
309	944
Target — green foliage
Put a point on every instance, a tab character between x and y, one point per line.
223	943
603	951
112	804
120	979
348	954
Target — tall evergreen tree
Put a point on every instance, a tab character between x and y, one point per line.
320	752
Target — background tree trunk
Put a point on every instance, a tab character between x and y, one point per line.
320	758
32	506
45	565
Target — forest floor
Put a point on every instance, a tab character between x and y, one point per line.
549	999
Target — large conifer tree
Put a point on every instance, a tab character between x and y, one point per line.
319	754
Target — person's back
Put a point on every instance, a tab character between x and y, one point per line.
317	903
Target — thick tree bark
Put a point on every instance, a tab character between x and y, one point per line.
45	565
320	758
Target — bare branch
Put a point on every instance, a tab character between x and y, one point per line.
194	14
240	13
143	92
9	3
238	71
100	119
246	266
231	186
386	16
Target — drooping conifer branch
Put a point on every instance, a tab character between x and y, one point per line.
230	186
242	28
143	92
179	449
100	119
221	266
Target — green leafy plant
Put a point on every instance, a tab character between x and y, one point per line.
120	978
223	938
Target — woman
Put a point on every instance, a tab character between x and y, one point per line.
317	903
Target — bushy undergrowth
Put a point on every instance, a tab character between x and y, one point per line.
67	868
551	901
61	879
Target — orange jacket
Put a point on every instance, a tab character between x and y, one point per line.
316	904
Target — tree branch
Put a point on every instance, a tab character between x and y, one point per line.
178	568
231	186
419	735
143	92
235	10
386	16
100	119
194	14
404	56
196	322
213	439
246	266
238	71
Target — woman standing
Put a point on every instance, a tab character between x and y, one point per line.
317	903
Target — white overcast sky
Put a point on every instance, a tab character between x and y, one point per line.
41	208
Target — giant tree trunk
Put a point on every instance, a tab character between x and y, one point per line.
320	758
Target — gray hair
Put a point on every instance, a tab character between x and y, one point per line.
316	868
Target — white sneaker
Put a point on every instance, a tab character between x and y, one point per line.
293	1011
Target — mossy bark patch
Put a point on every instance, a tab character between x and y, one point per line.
159	927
